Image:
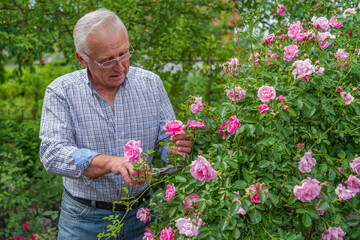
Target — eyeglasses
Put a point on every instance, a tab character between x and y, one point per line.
112	62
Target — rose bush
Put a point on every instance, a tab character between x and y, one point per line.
290	170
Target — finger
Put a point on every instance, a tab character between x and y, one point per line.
185	150
125	174
183	143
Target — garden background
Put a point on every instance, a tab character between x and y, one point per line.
184	42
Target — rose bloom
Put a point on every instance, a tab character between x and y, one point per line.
133	151
170	192
266	93
340	169
167	234
347	97
143	214
300	145
269	39
321	23
355	89
202	170
341	55
320	69
189	227
269	58
221	132
309	189
239	93
306	162
191	201
281	10
294	30
174	127
355	165
231	66
324	45
349	10
353	184
256	189
254	56
33	236
263	108
303	68
343	193
335	23
26	226
283	36
339	89
233	124
358	50
196	108
290	52
286	107
325	35
333	233
148	235
281	98
193	124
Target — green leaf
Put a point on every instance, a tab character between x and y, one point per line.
223	224
322	205
341	154
264	163
273	198
306	219
262	196
236	233
284	116
240	184
234	207
233	164
203	234
332	175
268	141
125	190
250	129
255	216
179	178
301	211
172	211
353	222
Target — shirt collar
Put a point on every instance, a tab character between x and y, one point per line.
87	80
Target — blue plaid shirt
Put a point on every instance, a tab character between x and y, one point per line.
77	124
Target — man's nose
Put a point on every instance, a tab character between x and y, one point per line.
119	66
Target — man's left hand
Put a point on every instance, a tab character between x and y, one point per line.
183	145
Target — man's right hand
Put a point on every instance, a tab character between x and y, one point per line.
104	164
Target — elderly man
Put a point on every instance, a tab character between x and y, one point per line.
89	115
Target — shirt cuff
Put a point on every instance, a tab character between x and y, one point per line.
83	157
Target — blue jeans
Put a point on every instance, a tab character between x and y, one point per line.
82	222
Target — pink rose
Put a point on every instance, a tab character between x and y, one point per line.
202	170
286	107
198	106
300	145
347	97
349	10
294	30
335	23
355	89
269	39
281	10
193	124
189	227
353	184
167	234
239	93
269	58
339	89
355	165
358	50
325	35
333	233
341	55
229	152
143	214
241	210
174	127
233	124
231	66
198	100
340	169
263	108
283	36
148	235
190	202
303	68
33	236
320	212
254	56
319	69
221	132
343	193
309	189
254	191
26	226
266	93
281	98
133	151
321	23
170	192
324	45
307	162
290	52
188	101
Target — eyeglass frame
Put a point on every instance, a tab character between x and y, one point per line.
115	59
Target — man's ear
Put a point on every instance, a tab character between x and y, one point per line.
81	60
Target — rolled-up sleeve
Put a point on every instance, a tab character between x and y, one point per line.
58	151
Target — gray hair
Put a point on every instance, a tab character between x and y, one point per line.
100	22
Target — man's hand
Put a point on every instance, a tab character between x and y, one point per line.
183	145
104	164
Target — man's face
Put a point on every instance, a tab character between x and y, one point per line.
104	49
